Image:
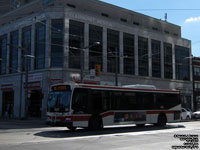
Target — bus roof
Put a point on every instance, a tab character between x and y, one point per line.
120	88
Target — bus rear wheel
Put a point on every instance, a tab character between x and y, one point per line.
71	128
162	120
95	123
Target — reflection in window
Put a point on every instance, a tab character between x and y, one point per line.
26	44
129	53
112	50
76	42
182	63
143	56
57	35
167	61
3	54
95	52
197	71
156	62
40	41
13	52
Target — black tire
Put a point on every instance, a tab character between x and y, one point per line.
140	125
71	128
187	118
162	120
95	123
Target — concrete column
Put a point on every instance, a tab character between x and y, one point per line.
162	59
20	50
86	44
104	49
48	44
32	46
121	53
66	43
150	57
136	55
8	55
173	62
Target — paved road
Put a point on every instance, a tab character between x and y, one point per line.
37	136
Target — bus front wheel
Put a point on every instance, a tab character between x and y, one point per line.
95	123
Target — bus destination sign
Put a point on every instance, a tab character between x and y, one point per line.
61	88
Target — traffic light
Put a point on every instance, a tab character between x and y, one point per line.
98	70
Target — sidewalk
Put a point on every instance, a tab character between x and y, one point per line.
22	124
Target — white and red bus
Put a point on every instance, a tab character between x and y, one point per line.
94	106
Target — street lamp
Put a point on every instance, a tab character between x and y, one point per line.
82	58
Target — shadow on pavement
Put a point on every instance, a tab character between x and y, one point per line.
22	124
106	131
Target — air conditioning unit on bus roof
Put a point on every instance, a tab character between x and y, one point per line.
140	86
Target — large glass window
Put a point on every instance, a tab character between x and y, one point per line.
182	63
197	71
76	43
26	44
13	51
156	61
112	50
40	42
3	54
128	41
143	56
95	52
168	61
57	43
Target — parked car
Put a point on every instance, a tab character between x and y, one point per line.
185	115
196	115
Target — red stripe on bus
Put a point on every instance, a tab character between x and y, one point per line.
107	114
80	118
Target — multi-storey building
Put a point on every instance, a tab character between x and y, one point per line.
137	48
196	67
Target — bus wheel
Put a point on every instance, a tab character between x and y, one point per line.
140	125
162	120
95	123
71	128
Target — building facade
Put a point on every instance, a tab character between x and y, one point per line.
196	67
137	48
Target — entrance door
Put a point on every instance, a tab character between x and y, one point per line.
8	103
35	103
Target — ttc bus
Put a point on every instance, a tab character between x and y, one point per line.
94	106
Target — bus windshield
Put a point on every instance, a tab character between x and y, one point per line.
59	101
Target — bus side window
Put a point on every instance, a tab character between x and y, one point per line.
96	99
80	100
116	100
105	100
145	101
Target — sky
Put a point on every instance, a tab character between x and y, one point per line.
185	13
